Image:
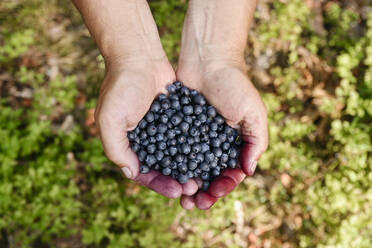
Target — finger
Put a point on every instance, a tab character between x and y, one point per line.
226	182
204	201
187	202
189	188
255	137
161	184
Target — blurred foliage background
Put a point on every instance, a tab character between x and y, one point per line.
311	61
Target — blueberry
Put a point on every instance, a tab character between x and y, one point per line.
222	137
175	104
204	138
209	156
137	130
196	148
213	126
169	112
199	157
185	100
230	139
225	146
135	147
199	99
182	167
202	118
171	134
144	169
205	185
150	117
159	155
151	130
185	148
162	97
131	136
162	128
179	158
227	130
205	176
145	143
156	167
174	97
204	129
213	134
151	148
231	163
219	120
184	126
165	104
197	123
204	147
233	153
197	172
193	93
213	164
192	164
176	119
166	152
190	140
198	109
142	124
143	135
162	145
171	88
182	178
217	152
193	132
137	140
142	155
190	174
204	166
163	118
188	110
211	112
181	139
224	157
215	172
185	91
174	174
173	165
177	130
215	142
166	161
150	160
166	171
152	140
178	84
223	165
172	142
172	150
159	137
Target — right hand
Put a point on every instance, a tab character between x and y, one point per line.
126	95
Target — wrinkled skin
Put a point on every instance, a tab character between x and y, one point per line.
125	96
226	86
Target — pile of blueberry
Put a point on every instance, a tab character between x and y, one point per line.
184	137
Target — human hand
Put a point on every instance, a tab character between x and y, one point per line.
226	87
125	96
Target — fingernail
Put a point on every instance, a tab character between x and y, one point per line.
127	172
252	167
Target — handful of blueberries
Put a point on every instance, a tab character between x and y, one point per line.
184	137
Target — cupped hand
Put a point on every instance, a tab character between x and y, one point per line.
126	94
227	87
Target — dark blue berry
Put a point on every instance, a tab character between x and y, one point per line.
135	147
193	132
233	152
163	118
150	160
131	135
172	142
213	164
166	161
190	140
197	123
196	148
142	155
144	169
159	155
173	165
197	172
151	148
171	88
231	163
176	119
225	146
182	167
182	178
159	137
152	140
185	100
222	137
188	110
199	99
192	155
174	174
213	134
178	84
211	112
215	142
166	171
169	112
185	148
202	118
199	157
171	134
143	135
198	109
165	104
205	176
162	145
219	120
204	166
181	139
193	93
224	157
209	156
204	129
192	164
162	97
179	158
137	130
150	117
142	124
205	185
172	150
190	174
184	126
215	172
151	130
204	147
217	152
185	91
213	126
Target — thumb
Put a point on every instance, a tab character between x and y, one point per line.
117	148
255	137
